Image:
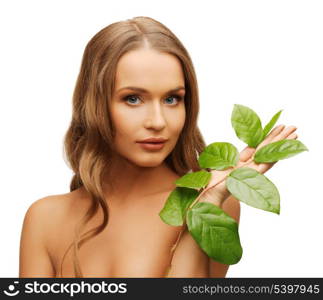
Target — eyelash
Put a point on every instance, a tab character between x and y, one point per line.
177	97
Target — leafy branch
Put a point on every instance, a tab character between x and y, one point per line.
215	231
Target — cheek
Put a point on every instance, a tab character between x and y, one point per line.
125	123
178	121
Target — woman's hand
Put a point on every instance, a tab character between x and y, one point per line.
216	191
188	260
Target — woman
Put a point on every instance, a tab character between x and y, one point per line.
136	82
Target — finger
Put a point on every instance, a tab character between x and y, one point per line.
278	133
287	133
275	132
247	152
292	136
284	134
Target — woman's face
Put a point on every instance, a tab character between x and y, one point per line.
148	102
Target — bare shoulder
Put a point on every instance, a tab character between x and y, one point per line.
43	206
42	216
47	208
46	222
34	257
51	209
46	215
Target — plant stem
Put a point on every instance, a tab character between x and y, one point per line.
205	190
172	250
184	227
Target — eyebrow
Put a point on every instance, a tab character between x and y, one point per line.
137	89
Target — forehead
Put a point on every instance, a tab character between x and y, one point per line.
148	68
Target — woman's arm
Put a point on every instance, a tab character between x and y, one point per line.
34	260
232	207
188	258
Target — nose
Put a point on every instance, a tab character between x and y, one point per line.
155	118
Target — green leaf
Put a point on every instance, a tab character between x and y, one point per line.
194	180
219	156
174	210
215	232
247	125
271	124
254	189
279	150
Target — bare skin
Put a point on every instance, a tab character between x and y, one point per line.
136	243
101	256
188	259
140	115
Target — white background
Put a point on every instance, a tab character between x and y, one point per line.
267	55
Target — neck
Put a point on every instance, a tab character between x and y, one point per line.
125	180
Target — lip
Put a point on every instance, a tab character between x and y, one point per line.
153	143
152	146
153	140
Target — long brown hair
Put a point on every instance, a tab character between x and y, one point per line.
88	143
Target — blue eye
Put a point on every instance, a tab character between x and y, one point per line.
178	98
131	99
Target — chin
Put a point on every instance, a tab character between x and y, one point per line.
149	161
149	164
